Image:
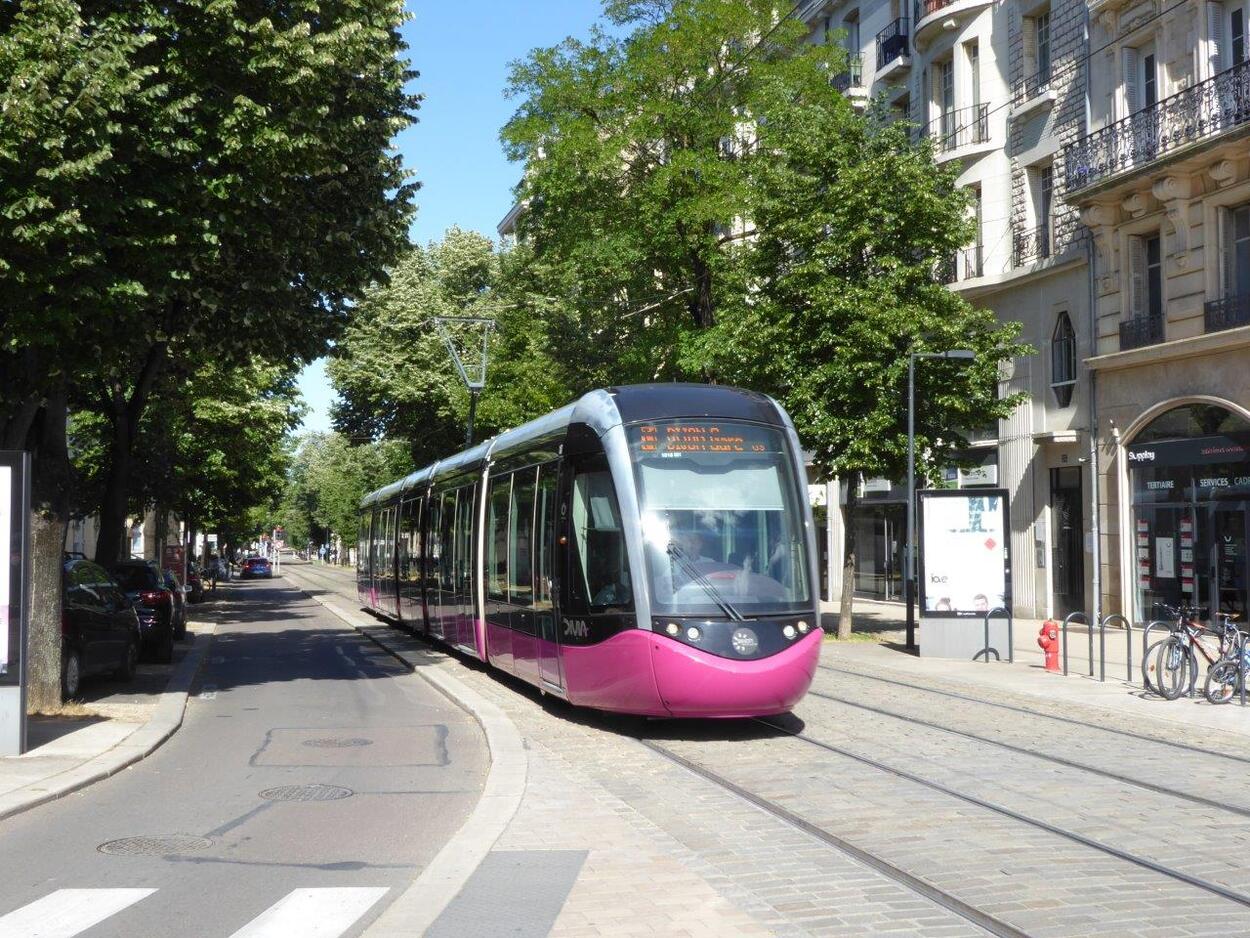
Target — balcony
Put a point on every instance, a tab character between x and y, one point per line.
1031	245
965	127
852	76
1139	331
971	262
892	42
1228	313
1031	86
1205	110
925	8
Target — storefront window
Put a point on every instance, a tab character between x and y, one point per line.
1189	473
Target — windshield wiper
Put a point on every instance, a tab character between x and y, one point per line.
693	572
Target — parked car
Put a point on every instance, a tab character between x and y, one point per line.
180	603
145	585
195	583
256	567
99	626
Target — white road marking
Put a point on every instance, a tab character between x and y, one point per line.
68	912
313	913
208	692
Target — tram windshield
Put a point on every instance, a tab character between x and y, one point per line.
720	519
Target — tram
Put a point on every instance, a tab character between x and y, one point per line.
646	549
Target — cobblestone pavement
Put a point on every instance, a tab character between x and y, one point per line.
671	853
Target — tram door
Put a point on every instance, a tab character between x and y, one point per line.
545	587
462	598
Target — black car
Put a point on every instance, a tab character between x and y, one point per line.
99	626
144	583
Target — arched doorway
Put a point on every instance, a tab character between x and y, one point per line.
1189	480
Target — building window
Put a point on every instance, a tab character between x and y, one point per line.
1232	308
1043	205
1237	26
1154	277
1063	360
1145	323
1041	30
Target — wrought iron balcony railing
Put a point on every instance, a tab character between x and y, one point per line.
1032	245
1032	85
892	42
925	8
1139	331
852	76
1228	313
964	127
971	261
1206	109
947	269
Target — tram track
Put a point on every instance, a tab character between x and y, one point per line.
1058	760
1071	721
1198	882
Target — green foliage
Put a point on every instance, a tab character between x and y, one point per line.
394	374
328	478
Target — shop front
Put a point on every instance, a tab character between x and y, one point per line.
1189	524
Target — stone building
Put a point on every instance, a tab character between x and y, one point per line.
1162	181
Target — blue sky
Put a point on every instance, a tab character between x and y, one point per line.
462	51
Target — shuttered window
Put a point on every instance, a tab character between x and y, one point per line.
1063	360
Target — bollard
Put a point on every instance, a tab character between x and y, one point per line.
1011	655
1102	638
1064	632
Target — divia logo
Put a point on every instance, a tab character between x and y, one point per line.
1141	455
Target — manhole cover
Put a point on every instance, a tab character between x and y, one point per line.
338	742
154	846
306	793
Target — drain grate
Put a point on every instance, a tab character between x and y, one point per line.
154	846
306	793
338	742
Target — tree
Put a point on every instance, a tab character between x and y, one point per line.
394	375
854	221
640	162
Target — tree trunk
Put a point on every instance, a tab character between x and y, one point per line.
125	418
847	606
49	517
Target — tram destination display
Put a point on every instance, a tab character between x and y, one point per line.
674	439
964	557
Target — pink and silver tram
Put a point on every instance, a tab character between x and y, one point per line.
645	549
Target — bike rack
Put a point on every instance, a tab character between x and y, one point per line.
1102	645
1066	622
1011	653
1145	643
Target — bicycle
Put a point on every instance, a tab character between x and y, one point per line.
1225	676
1173	660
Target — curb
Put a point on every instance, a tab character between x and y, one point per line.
164	722
420	905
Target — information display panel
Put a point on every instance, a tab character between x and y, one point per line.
674	439
965	552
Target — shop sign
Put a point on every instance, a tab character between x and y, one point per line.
1199	451
965	556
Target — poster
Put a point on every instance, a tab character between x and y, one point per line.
964	552
174	558
6	535
1165	557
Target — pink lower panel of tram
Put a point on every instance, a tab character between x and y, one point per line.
641	672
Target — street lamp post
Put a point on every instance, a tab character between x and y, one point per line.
909	564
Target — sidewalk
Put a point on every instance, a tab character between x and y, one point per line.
1121	693
68	753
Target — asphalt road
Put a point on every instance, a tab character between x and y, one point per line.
384	768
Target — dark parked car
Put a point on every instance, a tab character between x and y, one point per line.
256	567
99	626
145	584
195	583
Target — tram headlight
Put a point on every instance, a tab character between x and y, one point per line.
803	627
744	641
693	633
673	629
789	632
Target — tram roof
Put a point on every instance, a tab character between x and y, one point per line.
601	410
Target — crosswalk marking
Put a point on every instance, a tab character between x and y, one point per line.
313	913
67	912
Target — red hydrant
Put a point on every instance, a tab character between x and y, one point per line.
1048	641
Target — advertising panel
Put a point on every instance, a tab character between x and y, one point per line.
14	570
174	559
965	567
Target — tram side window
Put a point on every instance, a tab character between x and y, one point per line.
464	539
362	544
520	537
496	539
433	545
375	540
409	540
601	560
446	564
544	534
